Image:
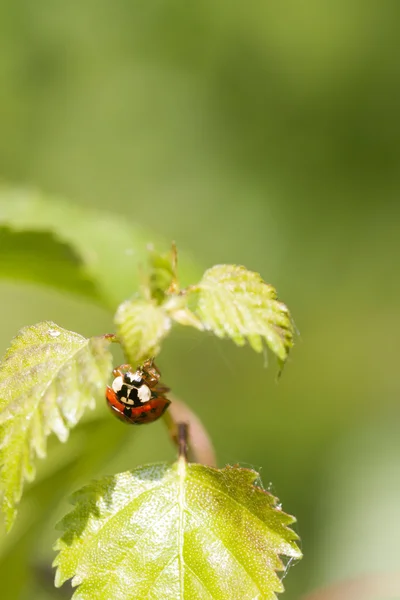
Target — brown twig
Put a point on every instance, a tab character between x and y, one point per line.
183	437
200	448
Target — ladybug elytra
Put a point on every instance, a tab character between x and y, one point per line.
137	397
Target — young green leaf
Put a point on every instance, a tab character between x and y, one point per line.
141	326
163	274
104	249
48	377
40	257
107	246
182	531
233	302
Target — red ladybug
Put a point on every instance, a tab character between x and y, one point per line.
137	397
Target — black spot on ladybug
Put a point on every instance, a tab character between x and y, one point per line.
153	410
127	411
128	395
133	395
124	391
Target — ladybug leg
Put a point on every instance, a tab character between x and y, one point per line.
148	364
119	371
161	389
155	369
150	367
151	373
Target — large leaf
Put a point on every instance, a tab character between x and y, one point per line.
233	302
48	377
181	531
109	247
141	326
39	257
104	249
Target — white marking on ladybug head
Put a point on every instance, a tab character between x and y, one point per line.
134	379
137	377
127	400
117	384
144	393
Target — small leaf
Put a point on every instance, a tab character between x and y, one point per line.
163	274
141	326
236	303
48	377
181	531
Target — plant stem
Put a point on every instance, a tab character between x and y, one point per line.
201	449
183	436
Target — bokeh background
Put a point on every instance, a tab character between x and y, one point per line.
266	134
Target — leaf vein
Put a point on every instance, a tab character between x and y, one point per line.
218	537
200	581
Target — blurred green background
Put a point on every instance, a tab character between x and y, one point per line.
261	133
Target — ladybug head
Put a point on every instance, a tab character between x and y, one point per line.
134	379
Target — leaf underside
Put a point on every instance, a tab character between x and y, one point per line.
108	247
236	303
48	377
141	326
180	531
99	252
39	257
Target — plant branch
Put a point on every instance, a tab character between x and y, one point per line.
201	449
183	439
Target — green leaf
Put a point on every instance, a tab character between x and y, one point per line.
48	377
103	249
163	274
141	326
176	307
39	257
181	531
233	302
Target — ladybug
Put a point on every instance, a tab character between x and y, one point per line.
137	397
